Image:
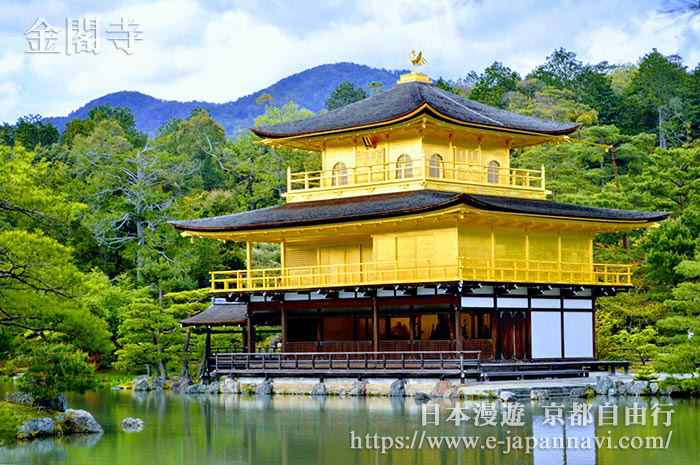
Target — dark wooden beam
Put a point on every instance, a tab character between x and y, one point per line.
283	321
375	325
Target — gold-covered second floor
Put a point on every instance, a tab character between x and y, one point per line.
421	236
461	251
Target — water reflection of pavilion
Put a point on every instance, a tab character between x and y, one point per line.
305	430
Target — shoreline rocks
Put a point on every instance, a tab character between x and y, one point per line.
66	423
607	386
58	403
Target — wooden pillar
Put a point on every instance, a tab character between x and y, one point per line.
375	325
458	328
207	353
251	333
412	329
319	332
283	324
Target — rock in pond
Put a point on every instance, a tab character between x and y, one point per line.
78	422
157	383
141	385
319	389
264	388
358	388
637	388
37	427
132	425
213	388
444	389
196	389
397	389
179	383
506	396
578	393
229	386
603	385
422	397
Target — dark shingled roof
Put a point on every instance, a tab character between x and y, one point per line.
399	204
404	99
219	315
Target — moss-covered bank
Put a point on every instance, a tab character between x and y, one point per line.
13	415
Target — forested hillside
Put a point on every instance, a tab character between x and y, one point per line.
310	88
89	267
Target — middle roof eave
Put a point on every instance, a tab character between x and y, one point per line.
401	204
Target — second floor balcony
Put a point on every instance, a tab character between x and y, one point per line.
407	172
421	271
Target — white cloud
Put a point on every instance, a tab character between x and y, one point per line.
9	100
196	50
619	44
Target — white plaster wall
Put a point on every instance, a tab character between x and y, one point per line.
578	334
546	334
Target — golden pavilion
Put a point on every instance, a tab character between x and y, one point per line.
416	247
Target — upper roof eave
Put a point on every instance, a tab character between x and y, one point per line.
423	109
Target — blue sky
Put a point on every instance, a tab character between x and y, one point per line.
221	50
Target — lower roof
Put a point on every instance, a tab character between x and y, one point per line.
400	204
218	314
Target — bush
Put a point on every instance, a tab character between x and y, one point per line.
56	368
682	359
645	373
9	369
684	387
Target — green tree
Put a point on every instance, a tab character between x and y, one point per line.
31	131
344	94
560	70
56	368
149	336
123	116
130	189
552	103
638	344
659	84
494	84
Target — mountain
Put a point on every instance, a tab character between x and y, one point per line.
310	89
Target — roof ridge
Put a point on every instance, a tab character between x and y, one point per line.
446	95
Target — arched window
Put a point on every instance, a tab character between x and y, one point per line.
404	167
340	174
435	166
492	172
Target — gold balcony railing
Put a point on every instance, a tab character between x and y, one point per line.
421	271
417	170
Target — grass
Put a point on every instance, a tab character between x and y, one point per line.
108	378
12	416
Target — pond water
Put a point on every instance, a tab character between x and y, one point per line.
305	431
